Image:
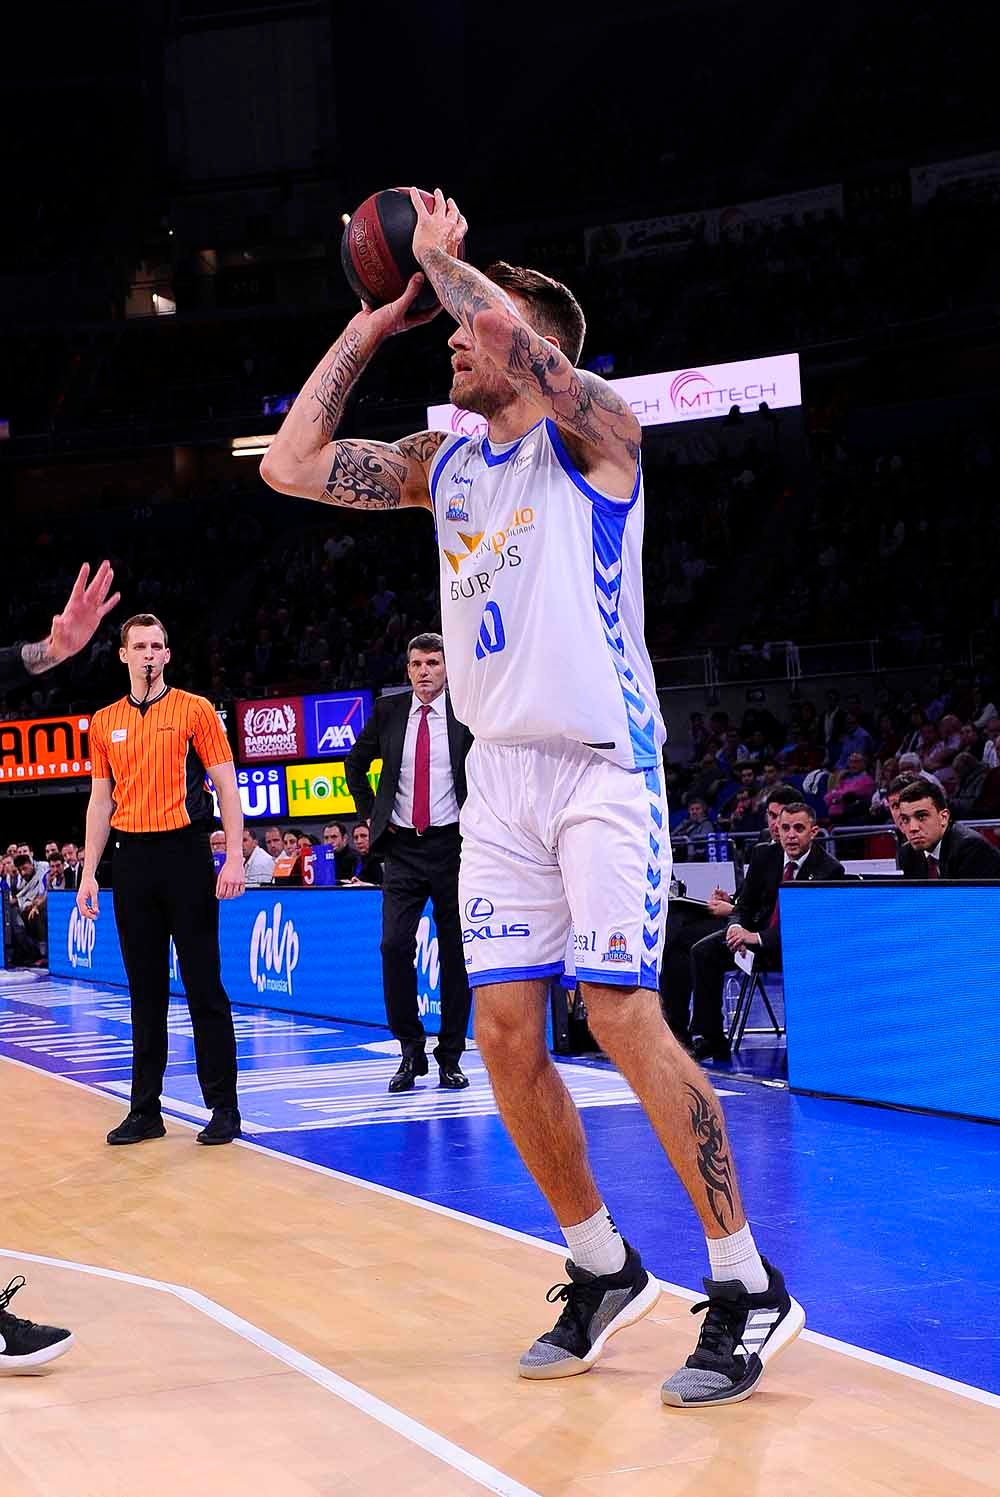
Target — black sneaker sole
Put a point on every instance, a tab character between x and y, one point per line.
781	1338
11	1366
212	1141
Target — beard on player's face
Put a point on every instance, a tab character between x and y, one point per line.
487	394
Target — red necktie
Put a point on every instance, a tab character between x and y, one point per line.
786	878
422	774
933	867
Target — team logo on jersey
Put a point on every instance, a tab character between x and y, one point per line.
520	522
456	510
617	948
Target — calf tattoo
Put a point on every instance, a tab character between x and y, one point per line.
714	1163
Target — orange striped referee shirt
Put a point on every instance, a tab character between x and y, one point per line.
156	757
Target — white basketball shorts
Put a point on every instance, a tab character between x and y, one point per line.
562	852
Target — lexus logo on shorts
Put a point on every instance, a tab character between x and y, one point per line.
478	910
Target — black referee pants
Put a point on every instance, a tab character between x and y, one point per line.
418	869
164	885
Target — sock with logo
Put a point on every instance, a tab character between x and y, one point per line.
595	1243
736	1257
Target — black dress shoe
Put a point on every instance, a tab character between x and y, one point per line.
136	1128
453	1079
712	1050
223	1128
410	1067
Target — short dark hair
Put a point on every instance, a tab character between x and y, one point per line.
797	807
21	858
783	795
55	857
554	308
902	781
922	789
142	621
340	825
428	642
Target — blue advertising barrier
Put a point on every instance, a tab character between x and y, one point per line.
891	993
298	950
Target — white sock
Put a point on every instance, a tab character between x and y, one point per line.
736	1257
595	1243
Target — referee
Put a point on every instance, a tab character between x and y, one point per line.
149	753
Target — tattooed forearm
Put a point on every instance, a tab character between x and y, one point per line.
714	1163
462	290
336	380
38	657
579	402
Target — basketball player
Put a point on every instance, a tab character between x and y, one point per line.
539	525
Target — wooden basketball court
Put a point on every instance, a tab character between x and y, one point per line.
330	1337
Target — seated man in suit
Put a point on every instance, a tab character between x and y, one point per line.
938	847
685	928
414	827
754	922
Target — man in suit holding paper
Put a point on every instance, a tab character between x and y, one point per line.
754	924
414	826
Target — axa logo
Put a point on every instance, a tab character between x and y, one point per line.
81	937
274	952
617	948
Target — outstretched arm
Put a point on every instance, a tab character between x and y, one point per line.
579	402
304	458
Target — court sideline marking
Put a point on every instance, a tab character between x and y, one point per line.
830	1343
439	1446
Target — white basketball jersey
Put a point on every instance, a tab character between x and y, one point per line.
541	599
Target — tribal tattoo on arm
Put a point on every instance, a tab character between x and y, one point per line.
714	1162
374	475
37	658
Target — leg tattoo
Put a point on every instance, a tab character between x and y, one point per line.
714	1163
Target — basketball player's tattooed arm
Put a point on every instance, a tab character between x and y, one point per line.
306	459
715	1164
578	402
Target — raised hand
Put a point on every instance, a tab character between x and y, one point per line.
86	606
443	229
396	316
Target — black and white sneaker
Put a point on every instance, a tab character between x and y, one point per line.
740	1335
23	1344
598	1306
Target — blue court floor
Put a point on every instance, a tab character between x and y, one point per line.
886	1224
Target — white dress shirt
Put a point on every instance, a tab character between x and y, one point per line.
258	868
444	804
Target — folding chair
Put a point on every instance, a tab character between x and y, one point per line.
750	983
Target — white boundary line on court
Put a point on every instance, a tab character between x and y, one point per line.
366	1403
830	1343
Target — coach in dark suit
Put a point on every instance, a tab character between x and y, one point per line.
754	924
936	846
414	827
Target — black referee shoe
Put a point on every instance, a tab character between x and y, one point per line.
23	1344
224	1127
136	1128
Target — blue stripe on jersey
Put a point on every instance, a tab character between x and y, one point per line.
599	500
444	453
608	528
494	459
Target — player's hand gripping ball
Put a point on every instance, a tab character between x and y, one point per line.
376	250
